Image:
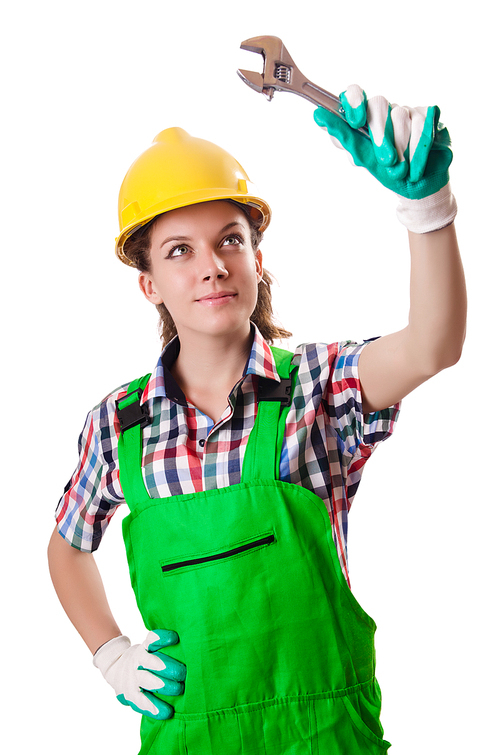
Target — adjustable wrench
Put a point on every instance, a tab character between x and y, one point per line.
282	75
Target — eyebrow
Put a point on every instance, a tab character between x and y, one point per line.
187	238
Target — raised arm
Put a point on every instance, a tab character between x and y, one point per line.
392	366
409	153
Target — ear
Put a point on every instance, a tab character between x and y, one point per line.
147	286
258	265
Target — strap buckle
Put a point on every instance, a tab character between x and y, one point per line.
270	390
132	413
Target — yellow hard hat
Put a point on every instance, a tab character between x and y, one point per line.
180	170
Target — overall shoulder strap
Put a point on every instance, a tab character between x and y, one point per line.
263	451
132	417
282	359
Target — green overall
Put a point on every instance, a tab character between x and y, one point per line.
280	656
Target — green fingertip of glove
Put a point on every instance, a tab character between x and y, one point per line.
355	116
165	710
166	637
386	153
419	160
173	669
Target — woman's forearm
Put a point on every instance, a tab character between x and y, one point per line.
79	587
438	301
394	365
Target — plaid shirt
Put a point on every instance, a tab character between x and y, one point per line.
327	440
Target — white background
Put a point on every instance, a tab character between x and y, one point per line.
85	88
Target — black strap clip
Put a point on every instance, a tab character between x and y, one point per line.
133	414
270	390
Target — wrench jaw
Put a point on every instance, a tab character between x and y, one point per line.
256	82
278	65
269	47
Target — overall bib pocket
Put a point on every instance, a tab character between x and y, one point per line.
205	559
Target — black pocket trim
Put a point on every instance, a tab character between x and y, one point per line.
216	556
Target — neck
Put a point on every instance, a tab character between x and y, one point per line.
211	365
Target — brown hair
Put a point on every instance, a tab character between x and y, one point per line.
137	249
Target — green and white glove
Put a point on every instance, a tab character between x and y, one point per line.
136	671
408	152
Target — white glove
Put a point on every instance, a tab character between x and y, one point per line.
135	671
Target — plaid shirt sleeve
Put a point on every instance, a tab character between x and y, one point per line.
356	429
93	493
358	434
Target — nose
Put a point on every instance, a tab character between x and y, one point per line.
212	266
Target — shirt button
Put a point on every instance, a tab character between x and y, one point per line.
202	442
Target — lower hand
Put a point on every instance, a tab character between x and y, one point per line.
137	671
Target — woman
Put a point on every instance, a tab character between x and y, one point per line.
239	462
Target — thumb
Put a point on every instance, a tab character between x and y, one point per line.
352	140
160	638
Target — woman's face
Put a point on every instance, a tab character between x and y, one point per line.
204	270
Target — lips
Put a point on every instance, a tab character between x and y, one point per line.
217	297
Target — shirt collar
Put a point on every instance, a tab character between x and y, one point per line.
161	384
261	360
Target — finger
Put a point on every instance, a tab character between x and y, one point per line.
329	121
424	121
160	664
155	662
353	100
343	136
164	709
172	668
357	144
337	143
157	683
160	638
401	123
171	688
148	705
381	131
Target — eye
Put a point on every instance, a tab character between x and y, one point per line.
233	240
178	251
